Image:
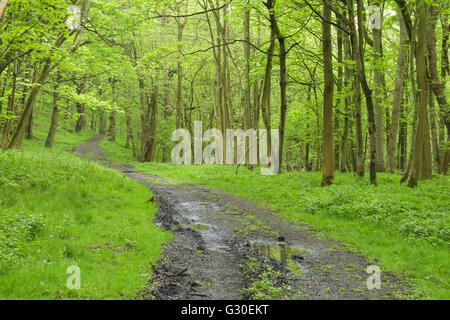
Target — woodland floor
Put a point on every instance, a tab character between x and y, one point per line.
226	247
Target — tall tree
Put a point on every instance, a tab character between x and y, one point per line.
270	4
328	150
376	26
398	93
422	17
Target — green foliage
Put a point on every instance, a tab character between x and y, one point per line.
264	288
406	230
16	230
57	211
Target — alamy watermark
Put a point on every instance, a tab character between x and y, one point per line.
374	280
374	12
74	20
74	280
239	145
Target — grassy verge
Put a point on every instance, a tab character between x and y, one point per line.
58	211
403	230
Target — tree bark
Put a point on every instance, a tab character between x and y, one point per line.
434	132
368	95
150	152
180	110
129	141
10	109
55	115
423	94
436	84
347	76
112	114
112	126
265	99
328	150
378	101
247	86
270	4
398	93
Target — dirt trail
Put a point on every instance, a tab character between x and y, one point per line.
224	245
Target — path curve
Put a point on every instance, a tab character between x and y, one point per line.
223	244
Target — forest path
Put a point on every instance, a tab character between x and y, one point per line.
223	243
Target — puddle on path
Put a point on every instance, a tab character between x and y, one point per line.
284	253
201	227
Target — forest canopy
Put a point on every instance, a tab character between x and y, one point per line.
355	86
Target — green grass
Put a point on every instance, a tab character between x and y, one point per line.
405	230
57	211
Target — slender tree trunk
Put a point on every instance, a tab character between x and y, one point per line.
437	85
340	81
265	100
359	73
80	120
129	141
398	94
378	101
368	95
423	94
328	150
434	132
427	162
415	93
112	126
247	86
16	140
403	136
10	109
226	71
55	115
102	125
112	115
29	131
346	80
150	152
445	71
270	4
93	124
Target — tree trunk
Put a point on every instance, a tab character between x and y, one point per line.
150	152
423	94
434	132
270	4
347	76
93	125
112	114
55	115
368	95
10	109
112	126
129	141
102	124
398	94
16	140
328	150
81	119
437	85
265	100
340	81
378	101
247	86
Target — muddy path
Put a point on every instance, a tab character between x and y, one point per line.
226	247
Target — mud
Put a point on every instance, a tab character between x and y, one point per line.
225	245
